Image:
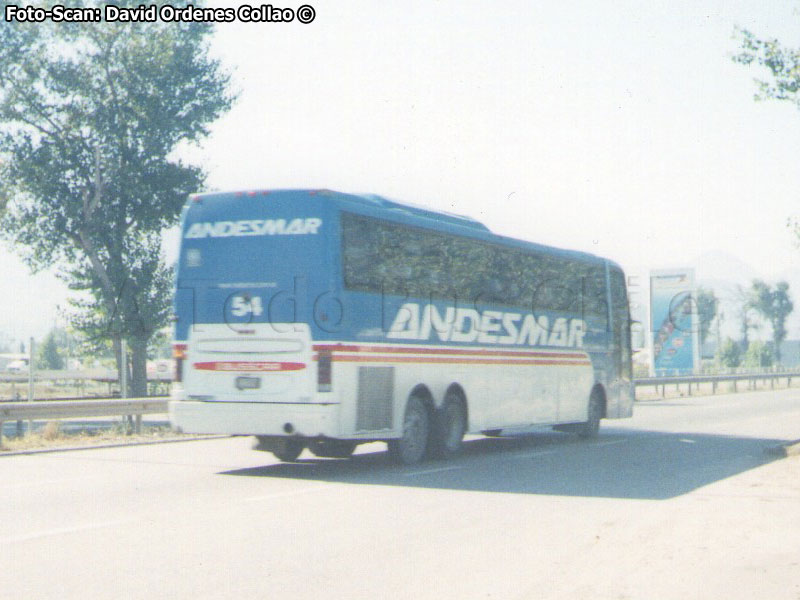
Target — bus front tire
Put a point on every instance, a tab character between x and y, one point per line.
450	427
591	427
410	448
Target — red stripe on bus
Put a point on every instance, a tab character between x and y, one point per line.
446	360
248	366
454	351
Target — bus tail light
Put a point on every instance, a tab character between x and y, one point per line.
324	371
179	354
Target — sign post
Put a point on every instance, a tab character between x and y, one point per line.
30	380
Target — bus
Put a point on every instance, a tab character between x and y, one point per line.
320	320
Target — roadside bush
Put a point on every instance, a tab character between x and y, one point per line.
52	430
759	354
729	354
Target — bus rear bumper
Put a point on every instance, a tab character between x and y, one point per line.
250	418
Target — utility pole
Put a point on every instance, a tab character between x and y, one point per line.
30	380
123	372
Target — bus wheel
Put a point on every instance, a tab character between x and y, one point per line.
591	427
450	426
288	450
410	448
332	448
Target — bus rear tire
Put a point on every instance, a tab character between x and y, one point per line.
449	427
288	450
591	427
410	448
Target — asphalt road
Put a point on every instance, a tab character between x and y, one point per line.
679	502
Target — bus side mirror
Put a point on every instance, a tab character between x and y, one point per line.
637	336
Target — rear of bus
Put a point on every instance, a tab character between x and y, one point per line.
253	268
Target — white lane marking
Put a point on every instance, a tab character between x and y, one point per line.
24	484
305	490
24	537
686	441
430	471
534	454
609	443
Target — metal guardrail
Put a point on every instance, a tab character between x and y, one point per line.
21	411
155	382
715	380
68	409
104	375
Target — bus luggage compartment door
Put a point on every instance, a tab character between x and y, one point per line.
263	363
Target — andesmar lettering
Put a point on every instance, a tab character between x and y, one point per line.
254	227
488	327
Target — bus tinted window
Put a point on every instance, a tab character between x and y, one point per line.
384	257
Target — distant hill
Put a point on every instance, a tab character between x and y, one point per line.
723	268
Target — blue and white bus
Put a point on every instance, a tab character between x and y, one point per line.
321	320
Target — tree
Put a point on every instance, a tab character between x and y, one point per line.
729	354
783	63
743	298
774	305
758	354
90	118
707	305
784	66
48	356
160	345
782	307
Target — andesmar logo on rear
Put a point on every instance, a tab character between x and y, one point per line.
487	327
254	227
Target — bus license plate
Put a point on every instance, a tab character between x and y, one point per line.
248	383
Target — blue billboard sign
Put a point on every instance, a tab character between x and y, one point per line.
673	320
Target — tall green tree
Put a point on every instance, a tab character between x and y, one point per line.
91	116
707	305
729	353
774	305
743	299
48	355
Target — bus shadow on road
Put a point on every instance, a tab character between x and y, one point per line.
619	464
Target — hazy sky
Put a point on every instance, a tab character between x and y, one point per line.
621	128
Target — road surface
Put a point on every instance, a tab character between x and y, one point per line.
679	502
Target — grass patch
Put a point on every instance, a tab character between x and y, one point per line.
52	436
